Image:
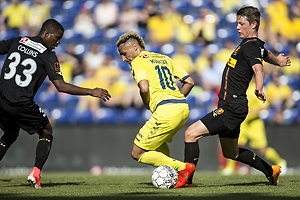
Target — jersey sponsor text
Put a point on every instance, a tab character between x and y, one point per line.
35	45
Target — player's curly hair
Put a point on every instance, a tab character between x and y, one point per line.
131	35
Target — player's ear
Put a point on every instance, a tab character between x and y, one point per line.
47	34
134	46
254	24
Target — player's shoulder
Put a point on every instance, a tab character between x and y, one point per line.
253	42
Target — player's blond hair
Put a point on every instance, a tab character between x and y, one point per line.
131	35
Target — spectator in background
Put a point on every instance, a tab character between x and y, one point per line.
230	6
84	23
66	67
277	17
107	75
148	10
293	30
294	69
93	59
120	83
38	12
160	30
202	60
183	34
106	14
204	28
74	60
211	76
183	59
223	54
129	18
279	96
15	15
296	8
86	103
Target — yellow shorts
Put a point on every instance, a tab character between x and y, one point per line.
254	132
162	126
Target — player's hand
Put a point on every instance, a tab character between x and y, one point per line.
101	93
283	60
260	95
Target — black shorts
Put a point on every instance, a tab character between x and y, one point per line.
29	117
226	120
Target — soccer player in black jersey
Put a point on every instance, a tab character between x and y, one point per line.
244	63
29	61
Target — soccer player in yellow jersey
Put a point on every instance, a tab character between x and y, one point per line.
155	75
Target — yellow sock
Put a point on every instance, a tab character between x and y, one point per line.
272	155
230	164
164	148
157	159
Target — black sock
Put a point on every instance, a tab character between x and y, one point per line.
3	148
191	155
42	150
248	157
5	142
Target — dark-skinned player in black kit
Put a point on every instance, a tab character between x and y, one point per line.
29	61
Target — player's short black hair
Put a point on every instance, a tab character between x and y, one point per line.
52	26
251	14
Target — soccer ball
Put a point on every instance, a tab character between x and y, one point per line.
164	177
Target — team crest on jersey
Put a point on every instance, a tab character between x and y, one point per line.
144	56
217	112
34	45
236	50
57	67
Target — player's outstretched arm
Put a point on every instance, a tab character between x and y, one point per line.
62	86
281	60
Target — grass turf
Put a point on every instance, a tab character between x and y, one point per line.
208	186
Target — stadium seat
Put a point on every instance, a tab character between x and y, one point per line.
82	117
290	115
72	36
62	115
108	116
48	100
131	115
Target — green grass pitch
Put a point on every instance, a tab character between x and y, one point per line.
208	186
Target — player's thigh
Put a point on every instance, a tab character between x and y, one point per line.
31	118
162	126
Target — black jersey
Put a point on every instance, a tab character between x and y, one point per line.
238	71
26	66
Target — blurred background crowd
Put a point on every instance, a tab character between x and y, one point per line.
199	35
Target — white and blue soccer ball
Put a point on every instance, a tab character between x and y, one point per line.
164	177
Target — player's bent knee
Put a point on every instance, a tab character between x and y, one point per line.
135	156
190	135
9	139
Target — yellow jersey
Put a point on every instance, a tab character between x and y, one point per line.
161	72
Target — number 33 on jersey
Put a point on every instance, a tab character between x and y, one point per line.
27	65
